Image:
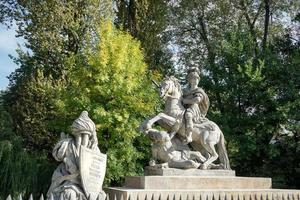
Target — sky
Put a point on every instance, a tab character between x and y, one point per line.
8	45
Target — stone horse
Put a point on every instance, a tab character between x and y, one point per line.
205	135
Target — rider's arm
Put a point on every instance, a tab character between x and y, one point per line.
196	99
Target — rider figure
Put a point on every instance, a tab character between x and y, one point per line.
192	96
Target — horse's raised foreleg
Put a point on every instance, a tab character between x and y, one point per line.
161	116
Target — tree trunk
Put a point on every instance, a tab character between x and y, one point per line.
266	25
132	18
251	24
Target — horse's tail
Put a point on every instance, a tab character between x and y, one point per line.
223	156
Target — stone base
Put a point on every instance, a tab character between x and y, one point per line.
153	171
222	187
229	194
196	182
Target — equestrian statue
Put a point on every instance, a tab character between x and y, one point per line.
186	125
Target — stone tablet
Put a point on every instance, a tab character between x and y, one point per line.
92	170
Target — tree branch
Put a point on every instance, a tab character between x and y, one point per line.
266	24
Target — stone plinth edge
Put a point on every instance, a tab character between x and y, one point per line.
196	182
258	194
152	171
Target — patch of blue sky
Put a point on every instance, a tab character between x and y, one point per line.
8	45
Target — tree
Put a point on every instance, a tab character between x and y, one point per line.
147	20
115	89
21	172
56	32
249	59
244	67
62	75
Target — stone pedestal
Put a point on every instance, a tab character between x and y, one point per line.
198	185
196	182
152	171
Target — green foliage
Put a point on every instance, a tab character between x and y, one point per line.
250	72
284	175
21	172
257	99
114	88
147	21
33	111
111	82
56	32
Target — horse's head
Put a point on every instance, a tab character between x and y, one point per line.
170	87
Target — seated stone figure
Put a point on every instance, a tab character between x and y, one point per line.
66	179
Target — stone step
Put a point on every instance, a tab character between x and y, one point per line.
194	182
152	171
223	194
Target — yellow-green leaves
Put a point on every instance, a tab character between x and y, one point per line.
116	91
120	62
250	72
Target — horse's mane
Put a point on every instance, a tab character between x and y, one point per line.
175	81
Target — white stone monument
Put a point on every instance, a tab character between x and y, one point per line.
184	117
81	172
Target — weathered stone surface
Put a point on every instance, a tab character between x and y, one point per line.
194	182
92	170
184	119
153	171
215	194
82	166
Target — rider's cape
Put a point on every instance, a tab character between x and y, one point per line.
204	104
